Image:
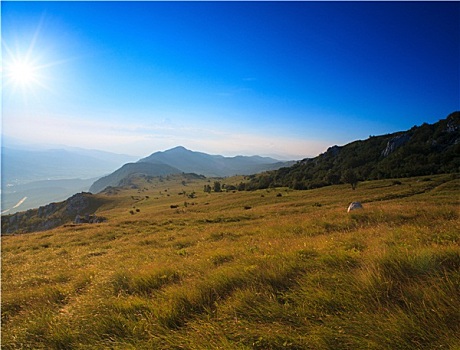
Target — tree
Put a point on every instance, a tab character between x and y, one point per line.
217	186
229	188
241	186
332	177
207	188
350	177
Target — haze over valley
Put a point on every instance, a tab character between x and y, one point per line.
37	177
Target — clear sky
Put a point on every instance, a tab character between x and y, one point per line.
283	78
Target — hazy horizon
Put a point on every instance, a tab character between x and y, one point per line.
24	145
286	80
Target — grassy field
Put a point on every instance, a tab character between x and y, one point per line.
177	268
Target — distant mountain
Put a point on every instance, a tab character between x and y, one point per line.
213	165
422	150
181	160
117	177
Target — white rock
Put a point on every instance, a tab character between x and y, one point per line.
354	206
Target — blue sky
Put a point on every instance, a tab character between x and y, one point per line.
229	78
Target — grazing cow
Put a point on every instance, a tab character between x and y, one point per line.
354	206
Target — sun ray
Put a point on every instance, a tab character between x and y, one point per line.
30	50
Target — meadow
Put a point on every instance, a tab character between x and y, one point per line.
174	267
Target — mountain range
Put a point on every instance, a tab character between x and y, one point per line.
181	160
422	150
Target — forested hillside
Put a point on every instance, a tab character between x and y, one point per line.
423	150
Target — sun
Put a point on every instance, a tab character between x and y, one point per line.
24	68
22	73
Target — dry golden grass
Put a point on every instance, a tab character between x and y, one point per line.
243	270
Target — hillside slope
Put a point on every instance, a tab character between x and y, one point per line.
268	269
423	150
114	179
52	215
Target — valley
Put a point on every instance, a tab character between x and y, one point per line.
21	197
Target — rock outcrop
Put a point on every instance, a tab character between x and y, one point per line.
394	143
53	215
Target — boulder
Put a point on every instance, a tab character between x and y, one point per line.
354	206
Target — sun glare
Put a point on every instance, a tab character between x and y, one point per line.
22	73
24	68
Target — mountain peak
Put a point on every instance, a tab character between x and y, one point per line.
177	148
212	165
